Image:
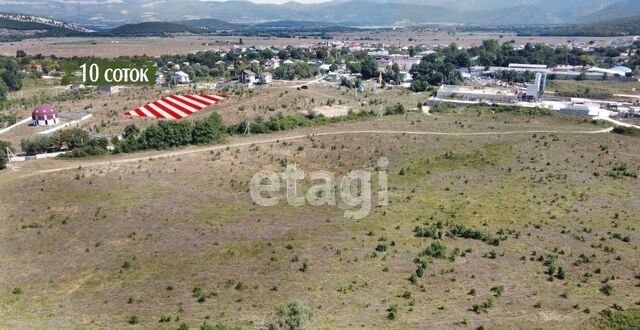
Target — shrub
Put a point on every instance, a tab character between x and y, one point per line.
16	291
392	312
292	316
483	307
561	273
436	250
395	109
133	319
607	289
382	247
218	326
629	131
498	290
617	318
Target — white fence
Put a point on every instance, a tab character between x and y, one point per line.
6	129
34	157
71	123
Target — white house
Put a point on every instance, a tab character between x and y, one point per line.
180	77
325	67
108	89
272	63
265	78
247	77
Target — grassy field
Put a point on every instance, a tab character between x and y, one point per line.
243	104
594	89
152	46
179	238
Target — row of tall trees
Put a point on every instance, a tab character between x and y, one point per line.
10	76
168	134
72	138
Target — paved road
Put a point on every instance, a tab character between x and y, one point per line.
173	153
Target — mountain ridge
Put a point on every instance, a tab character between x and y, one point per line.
345	12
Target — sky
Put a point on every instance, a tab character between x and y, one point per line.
283	1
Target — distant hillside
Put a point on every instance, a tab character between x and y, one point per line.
148	29
343	12
512	15
209	24
215	26
23	22
15	26
290	24
613	27
625	8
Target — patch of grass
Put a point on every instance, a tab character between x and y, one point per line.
617	318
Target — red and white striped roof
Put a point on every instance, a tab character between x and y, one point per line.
176	106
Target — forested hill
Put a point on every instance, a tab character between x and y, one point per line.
613	27
18	26
149	29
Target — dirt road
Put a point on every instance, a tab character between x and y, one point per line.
17	170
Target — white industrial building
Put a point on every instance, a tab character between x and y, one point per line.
487	94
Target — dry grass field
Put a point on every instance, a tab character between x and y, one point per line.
154	46
243	104
615	90
178	238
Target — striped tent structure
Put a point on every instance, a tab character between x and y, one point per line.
176	106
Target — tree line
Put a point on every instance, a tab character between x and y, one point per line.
10	76
76	140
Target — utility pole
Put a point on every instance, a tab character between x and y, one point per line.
9	153
247	129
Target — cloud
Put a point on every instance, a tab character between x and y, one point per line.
152	4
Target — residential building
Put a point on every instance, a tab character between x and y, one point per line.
108	89
247	77
180	78
265	78
273	63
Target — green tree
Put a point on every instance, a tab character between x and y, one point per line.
10	73
369	68
37	145
73	137
293	316
3	153
209	130
4	91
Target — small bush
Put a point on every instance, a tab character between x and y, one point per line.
436	250
294	315
133	319
392	312
498	290
607	289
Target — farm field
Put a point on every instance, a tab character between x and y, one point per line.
155	46
175	236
